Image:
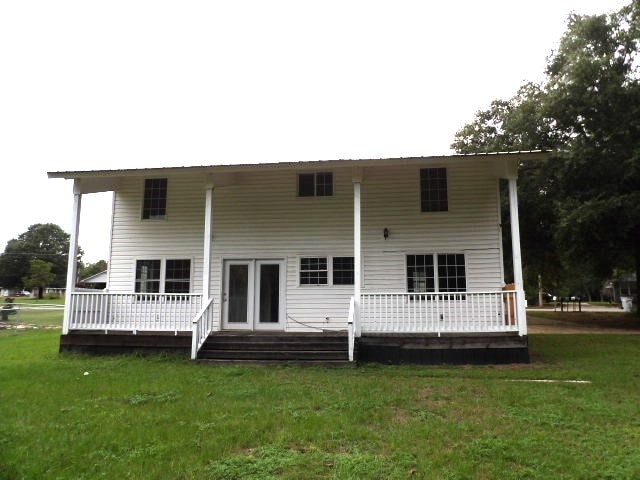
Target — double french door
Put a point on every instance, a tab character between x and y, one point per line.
253	295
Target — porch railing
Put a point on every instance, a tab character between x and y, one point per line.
477	312
202	327
170	312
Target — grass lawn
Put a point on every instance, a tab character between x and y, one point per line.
162	417
600	319
37	315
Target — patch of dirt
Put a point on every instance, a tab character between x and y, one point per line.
26	326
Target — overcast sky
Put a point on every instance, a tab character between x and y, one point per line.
120	84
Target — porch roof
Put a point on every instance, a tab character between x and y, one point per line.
508	159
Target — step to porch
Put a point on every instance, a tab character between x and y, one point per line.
276	347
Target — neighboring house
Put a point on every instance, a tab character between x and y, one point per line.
384	259
97	281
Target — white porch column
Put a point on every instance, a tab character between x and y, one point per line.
357	259
517	256
208	232
72	263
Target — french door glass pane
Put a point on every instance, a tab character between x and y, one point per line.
238	291
269	293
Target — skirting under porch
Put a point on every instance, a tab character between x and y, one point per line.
328	349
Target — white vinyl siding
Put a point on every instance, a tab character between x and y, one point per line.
179	236
261	217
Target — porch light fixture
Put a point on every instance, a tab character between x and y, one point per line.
386	233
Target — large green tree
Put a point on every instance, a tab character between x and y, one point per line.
43	241
40	275
593	102
581	208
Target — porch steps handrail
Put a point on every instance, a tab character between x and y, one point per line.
440	312
202	327
350	328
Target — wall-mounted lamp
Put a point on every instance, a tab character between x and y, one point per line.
386	233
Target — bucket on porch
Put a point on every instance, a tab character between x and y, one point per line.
509	305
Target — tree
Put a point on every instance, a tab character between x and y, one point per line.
40	275
593	100
519	124
583	206
47	242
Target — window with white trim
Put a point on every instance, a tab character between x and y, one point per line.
163	276
314	271
326	271
317	184
436	272
154	202
434	195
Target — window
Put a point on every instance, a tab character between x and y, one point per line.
433	190
451	273
163	276
148	276
318	184
420	277
177	276
319	270
154	205
450	268
343	270
313	271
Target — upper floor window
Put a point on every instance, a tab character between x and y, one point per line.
433	190
318	184
154	205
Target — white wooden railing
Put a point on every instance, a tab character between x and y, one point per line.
477	312
133	311
202	327
351	328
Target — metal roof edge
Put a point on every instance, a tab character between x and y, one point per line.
71	174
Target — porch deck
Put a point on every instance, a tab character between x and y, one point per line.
465	327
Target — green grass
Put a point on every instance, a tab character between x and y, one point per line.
37	317
163	417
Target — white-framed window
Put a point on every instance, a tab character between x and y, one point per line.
436	272
434	196
327	270
314	271
315	184
154	201
163	276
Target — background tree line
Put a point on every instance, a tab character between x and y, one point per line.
580	209
38	258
